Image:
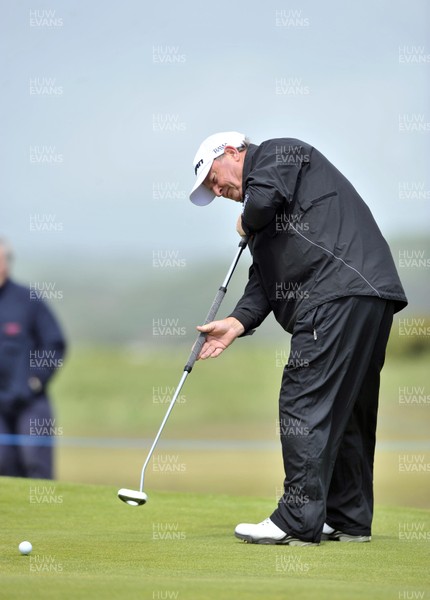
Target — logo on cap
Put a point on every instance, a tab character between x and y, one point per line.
198	165
219	148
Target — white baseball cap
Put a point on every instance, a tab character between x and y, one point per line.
209	150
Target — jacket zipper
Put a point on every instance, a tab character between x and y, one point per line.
313	324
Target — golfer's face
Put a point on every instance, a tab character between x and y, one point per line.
225	178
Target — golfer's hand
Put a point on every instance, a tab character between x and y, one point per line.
239	227
219	335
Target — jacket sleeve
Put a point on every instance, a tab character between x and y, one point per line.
270	183
49	343
253	307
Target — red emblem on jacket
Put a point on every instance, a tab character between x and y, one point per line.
12	328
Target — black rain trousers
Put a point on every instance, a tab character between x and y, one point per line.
328	408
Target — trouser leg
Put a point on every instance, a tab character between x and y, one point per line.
319	389
36	420
350	496
9	453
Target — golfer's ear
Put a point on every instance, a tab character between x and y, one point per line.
232	152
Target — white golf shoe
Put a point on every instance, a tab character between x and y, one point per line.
331	535
267	532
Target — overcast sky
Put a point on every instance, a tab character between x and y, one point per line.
103	106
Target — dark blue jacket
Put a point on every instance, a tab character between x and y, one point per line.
31	345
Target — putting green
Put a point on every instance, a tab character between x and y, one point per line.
87	544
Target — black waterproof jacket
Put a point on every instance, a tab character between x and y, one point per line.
313	237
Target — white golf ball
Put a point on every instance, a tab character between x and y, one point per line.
25	547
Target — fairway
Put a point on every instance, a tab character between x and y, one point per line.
87	544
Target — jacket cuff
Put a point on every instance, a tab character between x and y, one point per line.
246	321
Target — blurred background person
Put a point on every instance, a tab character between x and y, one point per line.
32	347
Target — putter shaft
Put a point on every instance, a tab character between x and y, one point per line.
169	410
196	350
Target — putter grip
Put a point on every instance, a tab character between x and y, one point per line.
202	336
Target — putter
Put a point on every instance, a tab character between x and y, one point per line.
138	497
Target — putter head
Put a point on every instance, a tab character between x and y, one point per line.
132	497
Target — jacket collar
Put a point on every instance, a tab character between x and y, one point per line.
247	164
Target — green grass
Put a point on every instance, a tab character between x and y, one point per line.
87	544
109	392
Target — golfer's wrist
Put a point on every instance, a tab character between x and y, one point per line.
236	325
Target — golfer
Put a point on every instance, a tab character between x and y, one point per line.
322	266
